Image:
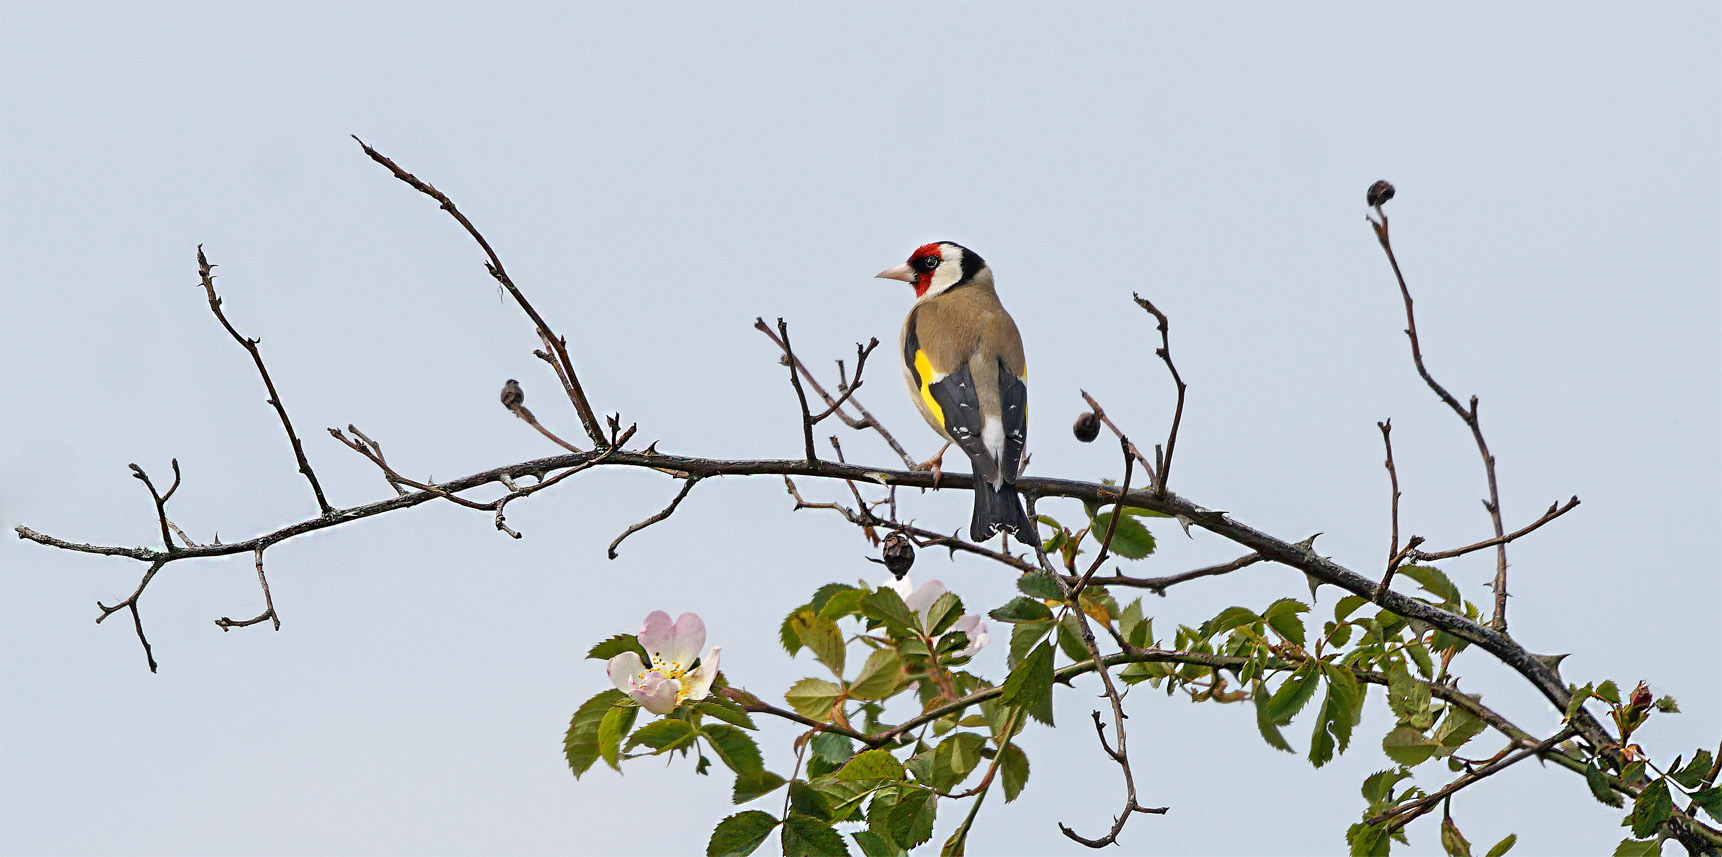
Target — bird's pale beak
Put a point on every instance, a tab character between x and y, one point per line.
901	272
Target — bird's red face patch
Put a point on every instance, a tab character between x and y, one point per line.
925	260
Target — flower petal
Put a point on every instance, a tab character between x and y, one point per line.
623	668
904	586
655	632
686	640
921	600
656	694
698	684
975	628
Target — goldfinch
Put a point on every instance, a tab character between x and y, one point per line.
962	357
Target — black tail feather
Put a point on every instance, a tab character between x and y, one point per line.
1000	509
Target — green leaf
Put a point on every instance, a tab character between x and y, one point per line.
809	837
617	645
872	765
1434	581
736	748
1338	714
580	745
822	637
1609	690
1293	694
1638	848
880	677
1378	787
1013	768
1229	618
755	787
1367	840
1029	685
725	709
1505	845
616	723
874	845
1408	697
1420	655
956	757
807	800
1599	789
1347	606
1653	807
1407	746
1667	705
1131	540
910	821
1452	841
663	735
1709	800
1270	731
813	697
1457	727
1039	584
1070	639
832	748
885	605
943	613
841	604
1021	609
740	834
1692	776
1282	617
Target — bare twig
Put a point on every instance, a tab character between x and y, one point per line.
493	264
1159	585
800	396
1554	511
378	449
160	500
1394	557
1165	353
1466	414
131	603
687	485
268	604
1100	414
848	389
866	419
1400	816
204	271
1111	523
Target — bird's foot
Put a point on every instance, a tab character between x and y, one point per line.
935	464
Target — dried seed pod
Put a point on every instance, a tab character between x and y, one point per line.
1087	427
1379	193
512	395
897	554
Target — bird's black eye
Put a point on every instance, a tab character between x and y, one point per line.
927	263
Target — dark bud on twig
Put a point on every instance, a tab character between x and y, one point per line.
1379	193
512	395
1087	427
897	554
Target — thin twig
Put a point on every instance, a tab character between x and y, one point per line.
1165	353
1400	816
204	271
565	366
378	449
131	603
1111	523
866	421
1554	511
800	395
160	500
848	389
1159	585
268	604
1100	414
1394	557
687	485
1468	415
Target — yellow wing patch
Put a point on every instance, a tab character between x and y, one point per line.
924	371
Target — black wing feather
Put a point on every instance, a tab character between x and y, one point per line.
1013	395
957	397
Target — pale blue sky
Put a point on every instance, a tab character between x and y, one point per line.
657	175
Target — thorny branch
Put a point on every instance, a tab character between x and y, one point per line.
204	271
160	500
800	395
493	264
1469	415
1100	414
514	399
